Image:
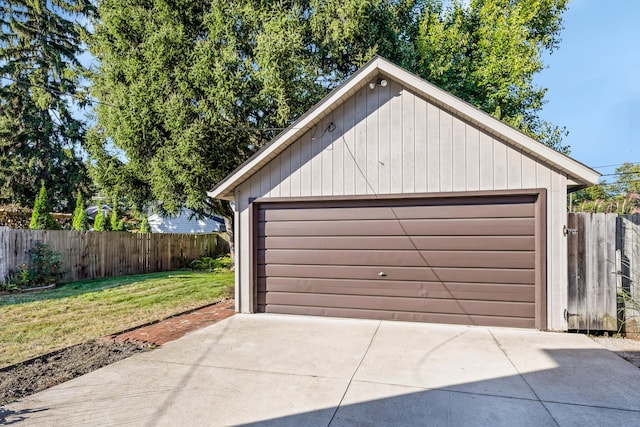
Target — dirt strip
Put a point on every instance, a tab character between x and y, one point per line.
40	373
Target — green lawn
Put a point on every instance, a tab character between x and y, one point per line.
32	324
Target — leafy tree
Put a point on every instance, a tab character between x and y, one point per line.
80	219
186	85
41	218
621	196
628	180
487	53
99	221
39	75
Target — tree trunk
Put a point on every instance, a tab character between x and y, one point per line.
228	222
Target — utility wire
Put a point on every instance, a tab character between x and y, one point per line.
621	173
609	184
610	166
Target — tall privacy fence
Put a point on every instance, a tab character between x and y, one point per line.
88	255
604	272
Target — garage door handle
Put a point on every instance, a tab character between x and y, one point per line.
382	274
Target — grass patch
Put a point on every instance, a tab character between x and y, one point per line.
33	324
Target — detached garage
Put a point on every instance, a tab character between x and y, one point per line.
392	199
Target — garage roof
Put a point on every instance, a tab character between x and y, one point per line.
578	174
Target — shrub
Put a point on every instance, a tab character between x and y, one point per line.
46	269
46	265
80	220
211	264
99	223
41	218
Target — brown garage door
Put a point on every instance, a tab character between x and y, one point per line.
469	260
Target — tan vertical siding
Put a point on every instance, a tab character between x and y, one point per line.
325	140
371	149
408	142
433	148
446	152
500	166
337	150
529	178
472	167
361	141
459	155
420	155
384	141
396	139
285	173
486	163
348	140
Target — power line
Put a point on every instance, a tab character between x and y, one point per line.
607	184
621	173
610	166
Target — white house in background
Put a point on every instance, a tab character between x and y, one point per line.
187	222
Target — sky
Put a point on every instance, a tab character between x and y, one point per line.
593	82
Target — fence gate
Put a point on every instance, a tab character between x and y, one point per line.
604	261
591	240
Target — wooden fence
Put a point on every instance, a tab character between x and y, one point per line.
88	255
604	272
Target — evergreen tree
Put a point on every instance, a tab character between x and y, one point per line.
144	225
114	223
39	77
80	220
198	85
99	221
191	78
41	218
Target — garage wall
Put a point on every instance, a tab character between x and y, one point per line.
391	141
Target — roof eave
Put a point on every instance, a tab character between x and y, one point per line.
574	170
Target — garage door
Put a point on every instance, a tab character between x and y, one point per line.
466	260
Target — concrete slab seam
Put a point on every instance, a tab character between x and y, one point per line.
231	368
354	374
450	390
634	411
522	376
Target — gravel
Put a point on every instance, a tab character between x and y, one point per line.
628	349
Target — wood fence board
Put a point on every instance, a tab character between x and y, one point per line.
609	290
630	269
581	293
89	255
573	273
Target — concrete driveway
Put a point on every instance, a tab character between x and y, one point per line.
305	371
